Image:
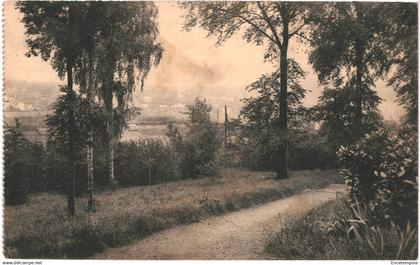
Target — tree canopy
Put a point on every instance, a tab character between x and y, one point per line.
349	53
267	24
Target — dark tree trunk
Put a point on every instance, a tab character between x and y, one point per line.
358	100
359	92
283	152
90	183
71	183
89	147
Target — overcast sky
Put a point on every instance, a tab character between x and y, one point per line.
191	62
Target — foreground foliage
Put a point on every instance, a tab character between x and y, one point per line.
379	218
381	171
337	230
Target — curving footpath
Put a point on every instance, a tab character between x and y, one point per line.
237	235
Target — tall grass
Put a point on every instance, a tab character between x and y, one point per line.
41	229
337	230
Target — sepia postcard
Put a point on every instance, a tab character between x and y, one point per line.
210	130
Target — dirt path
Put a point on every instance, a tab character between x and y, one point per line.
237	235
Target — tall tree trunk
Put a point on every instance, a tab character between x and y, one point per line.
90	183
109	109
359	92
358	101
283	152
71	182
89	146
111	154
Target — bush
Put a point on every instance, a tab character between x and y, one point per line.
307	150
359	163
337	230
258	151
310	150
381	170
23	166
198	153
16	185
134	159
397	189
31	167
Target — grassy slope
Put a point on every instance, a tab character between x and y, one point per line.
41	228
322	234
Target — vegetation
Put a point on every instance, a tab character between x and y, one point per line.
198	149
145	162
271	25
105	50
381	171
124	53
403	40
353	40
23	166
51	33
120	39
40	228
308	149
379	218
338	231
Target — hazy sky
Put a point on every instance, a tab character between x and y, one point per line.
191	62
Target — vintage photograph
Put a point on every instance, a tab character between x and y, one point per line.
210	130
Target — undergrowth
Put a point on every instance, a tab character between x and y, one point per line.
336	230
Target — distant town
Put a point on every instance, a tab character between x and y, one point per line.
157	112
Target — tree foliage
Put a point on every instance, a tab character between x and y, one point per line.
403	41
349	54
337	111
345	37
381	171
260	129
262	111
267	24
125	50
87	115
197	150
54	34
262	23
15	146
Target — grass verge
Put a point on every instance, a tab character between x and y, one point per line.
332	231
41	228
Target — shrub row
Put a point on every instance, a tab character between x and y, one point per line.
307	150
33	167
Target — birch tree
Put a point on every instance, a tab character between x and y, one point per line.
126	49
